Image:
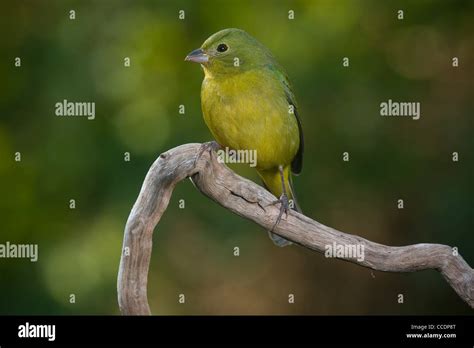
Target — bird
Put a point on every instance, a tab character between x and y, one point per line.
248	103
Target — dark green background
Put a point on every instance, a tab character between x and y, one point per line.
137	111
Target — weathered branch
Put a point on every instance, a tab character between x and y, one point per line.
251	201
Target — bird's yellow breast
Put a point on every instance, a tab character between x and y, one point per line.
250	111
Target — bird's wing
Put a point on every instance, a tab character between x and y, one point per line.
297	163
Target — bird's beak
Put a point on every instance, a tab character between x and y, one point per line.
197	56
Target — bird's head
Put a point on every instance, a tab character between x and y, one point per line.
230	51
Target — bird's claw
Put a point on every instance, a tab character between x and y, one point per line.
210	146
284	208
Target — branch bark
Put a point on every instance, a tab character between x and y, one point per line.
251	201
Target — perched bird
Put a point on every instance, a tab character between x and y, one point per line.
248	104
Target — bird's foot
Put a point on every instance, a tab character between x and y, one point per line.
210	146
284	208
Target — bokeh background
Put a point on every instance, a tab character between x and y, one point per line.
67	158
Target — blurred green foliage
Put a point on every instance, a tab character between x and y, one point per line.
67	158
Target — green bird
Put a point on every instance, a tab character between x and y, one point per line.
248	104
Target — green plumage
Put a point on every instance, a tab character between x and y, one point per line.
248	103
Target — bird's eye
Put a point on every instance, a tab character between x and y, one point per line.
222	47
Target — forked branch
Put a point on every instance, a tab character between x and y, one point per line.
251	201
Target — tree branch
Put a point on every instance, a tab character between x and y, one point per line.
251	201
